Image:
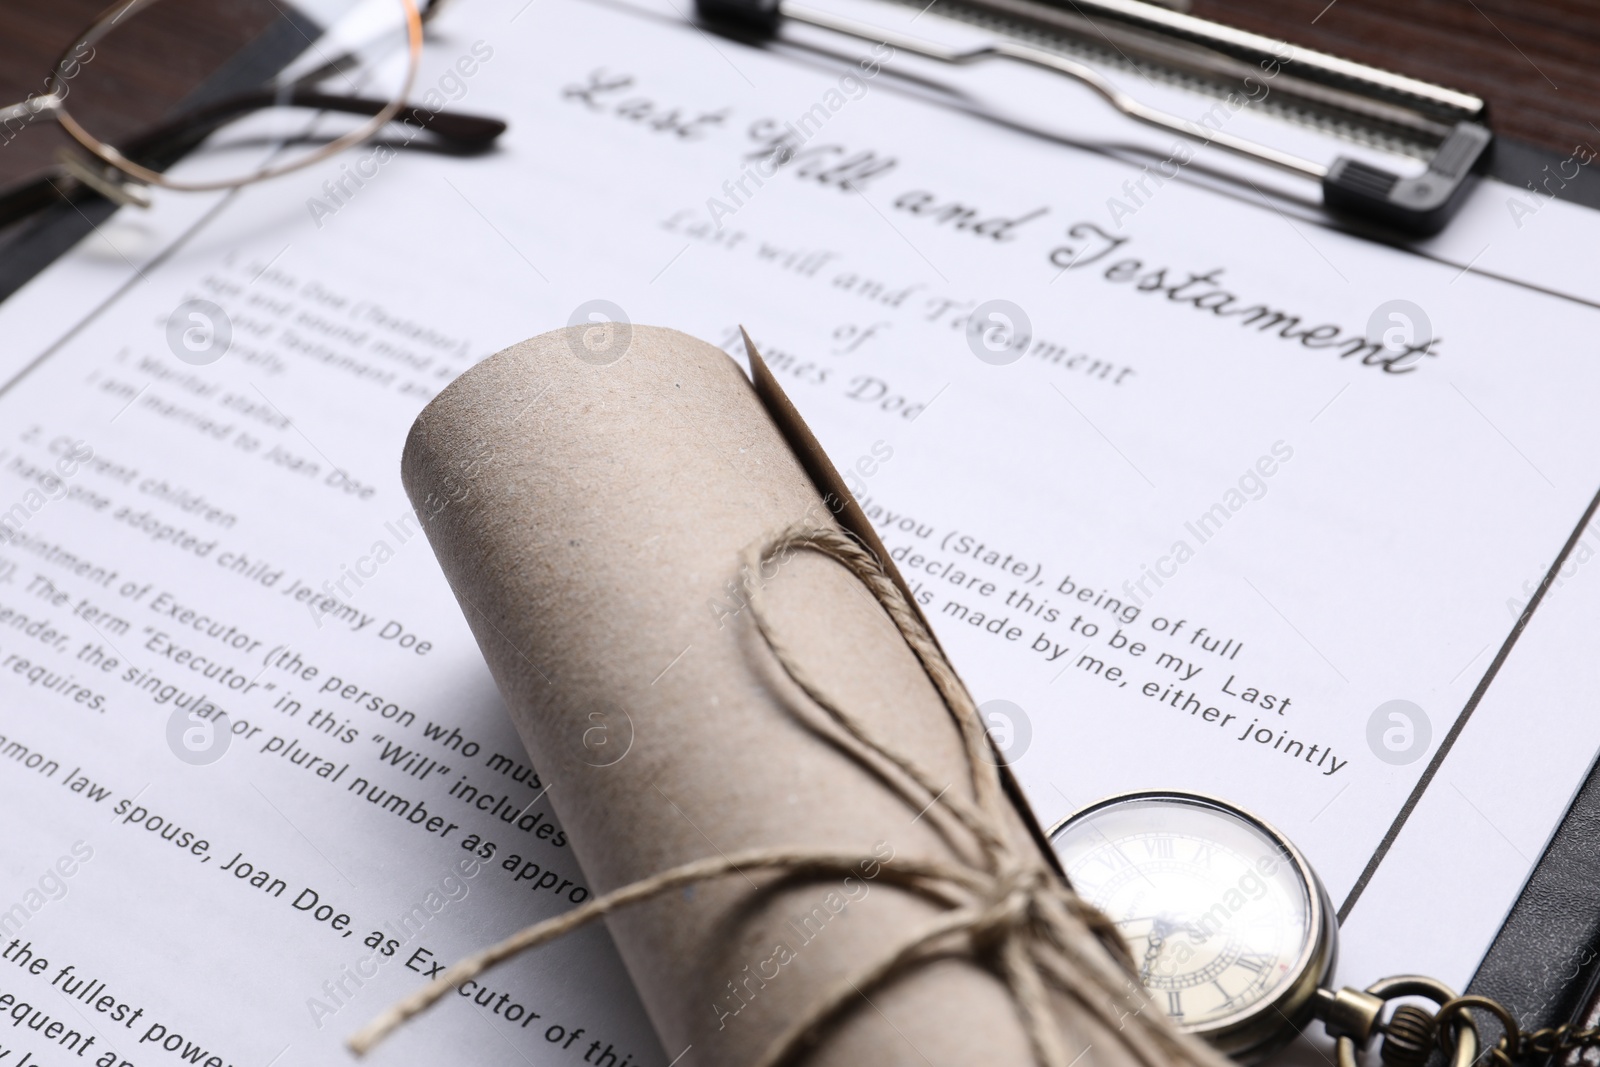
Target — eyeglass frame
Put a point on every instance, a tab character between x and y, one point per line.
52	104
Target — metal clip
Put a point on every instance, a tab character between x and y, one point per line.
1353	1016
1451	121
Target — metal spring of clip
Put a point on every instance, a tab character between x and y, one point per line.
1450	125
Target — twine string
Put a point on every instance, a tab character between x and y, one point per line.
1007	908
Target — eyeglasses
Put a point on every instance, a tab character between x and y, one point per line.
147	81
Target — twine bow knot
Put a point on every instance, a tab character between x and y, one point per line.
1008	907
1002	901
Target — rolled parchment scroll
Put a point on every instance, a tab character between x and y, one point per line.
591	518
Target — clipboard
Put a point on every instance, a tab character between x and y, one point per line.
1159	31
1545	961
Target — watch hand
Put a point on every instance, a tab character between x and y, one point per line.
1167	924
1157	938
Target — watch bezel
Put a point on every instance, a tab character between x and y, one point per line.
1257	1030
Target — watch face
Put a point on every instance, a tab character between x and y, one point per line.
1220	913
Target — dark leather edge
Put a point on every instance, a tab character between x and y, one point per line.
1544	965
1539	171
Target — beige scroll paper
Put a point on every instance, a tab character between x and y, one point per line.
703	667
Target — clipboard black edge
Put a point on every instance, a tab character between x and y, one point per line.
1546	957
1526	166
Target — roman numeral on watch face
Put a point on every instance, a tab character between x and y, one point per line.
1159	848
1254	964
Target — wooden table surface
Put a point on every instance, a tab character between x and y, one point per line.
1538	64
126	82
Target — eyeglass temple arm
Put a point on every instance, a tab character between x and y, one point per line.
462	131
466	133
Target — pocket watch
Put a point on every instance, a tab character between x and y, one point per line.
1231	932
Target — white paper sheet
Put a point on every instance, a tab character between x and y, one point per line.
1351	536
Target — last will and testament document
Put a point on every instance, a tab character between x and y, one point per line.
1179	520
